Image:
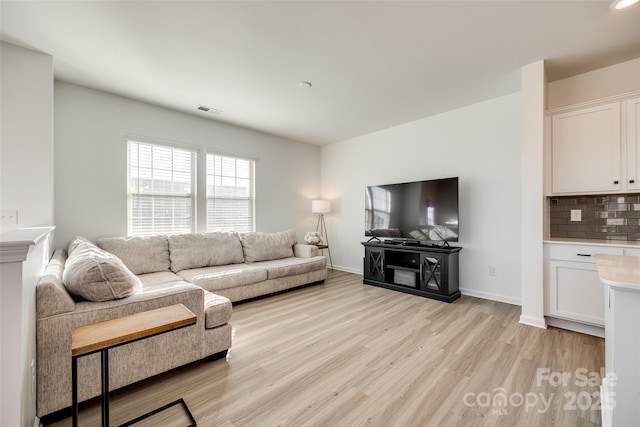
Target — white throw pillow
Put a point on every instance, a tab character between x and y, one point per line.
96	275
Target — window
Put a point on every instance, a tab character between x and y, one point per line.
161	193
230	193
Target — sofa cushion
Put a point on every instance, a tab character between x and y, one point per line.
51	296
292	266
152	280
204	250
258	246
224	276
97	275
217	310
141	254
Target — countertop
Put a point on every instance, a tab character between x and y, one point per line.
620	271
596	242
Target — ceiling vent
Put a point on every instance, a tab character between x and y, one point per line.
209	109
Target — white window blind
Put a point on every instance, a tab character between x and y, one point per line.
161	194
230	193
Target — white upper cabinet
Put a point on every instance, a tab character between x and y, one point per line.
586	150
595	149
633	143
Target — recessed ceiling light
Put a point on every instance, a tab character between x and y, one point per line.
209	109
622	4
305	85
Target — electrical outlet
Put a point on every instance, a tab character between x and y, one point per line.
492	271
576	215
8	217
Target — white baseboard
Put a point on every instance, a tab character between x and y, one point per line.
596	331
37	422
346	269
490	296
464	291
538	322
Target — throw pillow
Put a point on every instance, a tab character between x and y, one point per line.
260	246
204	250
96	275
141	255
75	242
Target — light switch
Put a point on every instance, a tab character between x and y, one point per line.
576	215
8	217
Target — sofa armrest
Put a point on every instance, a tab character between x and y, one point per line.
305	251
177	292
54	334
51	296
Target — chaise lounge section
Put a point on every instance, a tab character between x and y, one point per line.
205	272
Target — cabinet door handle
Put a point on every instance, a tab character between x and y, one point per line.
616	182
631	181
584	254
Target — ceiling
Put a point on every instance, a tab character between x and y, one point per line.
372	64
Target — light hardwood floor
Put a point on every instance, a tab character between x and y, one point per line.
348	354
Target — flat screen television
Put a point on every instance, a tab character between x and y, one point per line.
424	211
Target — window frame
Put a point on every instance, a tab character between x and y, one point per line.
252	191
192	194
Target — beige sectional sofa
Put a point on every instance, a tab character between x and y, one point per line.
205	272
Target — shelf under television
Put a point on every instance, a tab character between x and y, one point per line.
403	267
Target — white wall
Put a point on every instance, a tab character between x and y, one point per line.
481	145
26	138
91	160
26	186
601	83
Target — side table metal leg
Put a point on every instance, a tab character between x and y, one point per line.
105	386
330	260
74	391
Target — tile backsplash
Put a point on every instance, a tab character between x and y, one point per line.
602	217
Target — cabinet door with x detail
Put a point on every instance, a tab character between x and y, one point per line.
374	264
431	272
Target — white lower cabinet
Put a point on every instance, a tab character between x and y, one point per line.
574	294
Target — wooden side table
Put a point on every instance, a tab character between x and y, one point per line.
103	336
322	248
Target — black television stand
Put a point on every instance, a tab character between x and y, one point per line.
427	271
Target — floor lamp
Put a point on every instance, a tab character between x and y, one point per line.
322	207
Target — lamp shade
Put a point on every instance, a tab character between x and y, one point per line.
622	4
320	206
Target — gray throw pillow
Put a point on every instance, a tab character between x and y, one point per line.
141	254
260	246
195	250
96	275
